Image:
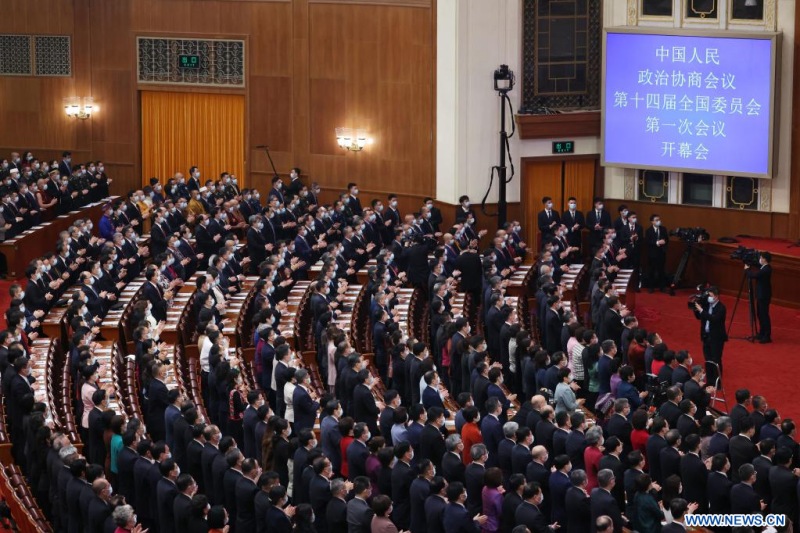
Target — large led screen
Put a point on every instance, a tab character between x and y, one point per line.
695	103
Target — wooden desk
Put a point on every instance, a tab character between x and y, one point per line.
38	240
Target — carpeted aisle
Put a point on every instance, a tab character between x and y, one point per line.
767	369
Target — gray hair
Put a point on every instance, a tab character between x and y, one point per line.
477	451
337	486
604	477
452	442
594	435
66	451
723	423
578	477
510	429
122	515
620	404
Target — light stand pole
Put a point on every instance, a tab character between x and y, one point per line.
503	83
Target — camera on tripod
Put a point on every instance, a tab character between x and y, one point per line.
656	391
699	297
691	234
748	256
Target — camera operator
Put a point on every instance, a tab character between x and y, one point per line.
763	277
711	315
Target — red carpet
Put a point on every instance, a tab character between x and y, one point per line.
766	369
775	246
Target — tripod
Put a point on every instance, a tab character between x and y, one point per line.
751	305
266	149
681	270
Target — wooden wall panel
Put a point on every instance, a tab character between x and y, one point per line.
311	67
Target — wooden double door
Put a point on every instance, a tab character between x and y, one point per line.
559	178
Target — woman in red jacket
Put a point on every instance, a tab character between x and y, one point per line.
470	432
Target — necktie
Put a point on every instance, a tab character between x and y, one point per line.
657	233
598	216
548	214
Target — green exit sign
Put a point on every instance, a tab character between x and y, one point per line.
189	61
563	147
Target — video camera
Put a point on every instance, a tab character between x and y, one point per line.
749	256
699	297
691	234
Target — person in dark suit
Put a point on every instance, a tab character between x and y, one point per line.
166	492
763	464
194	453
277	519
452	464
678	508
336	510
656	443
603	502
763	277
230	478
656	240
157	404
741	449
670	456
492	430
744	498
99	509
182	504
718	486
475	478
552	325
152	292
529	514
630	236
574	221
431	443
305	406
712	315
365	409
320	491
783	485
456	518
97	448
126	460
521	453
435	505
548	219
245	492
418	492
611	461
597	221
357	451
402	477
559	483
577	503
694	473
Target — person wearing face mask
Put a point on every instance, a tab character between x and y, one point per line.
194	179
631	236
622	220
548	219
295	184
276	191
574	221
597	220
464	210
133	211
657	240
352	200
711	315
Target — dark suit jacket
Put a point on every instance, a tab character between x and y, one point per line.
402	476
530	516
783	485
745	499
474	482
546	223
431	445
97	514
655	444
156	405
559	484
456	519
364	408
718	490
520	458
716	334
453	467
434	513
305	409
762	465
182	511
578	508
763	277
670	462
319	494
603	503
570	219
596	236
336	516
418	493
619	426
357	453
694	475
245	491
741	450
155	297
719	443
165	496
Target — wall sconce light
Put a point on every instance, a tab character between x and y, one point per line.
352	140
74	109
